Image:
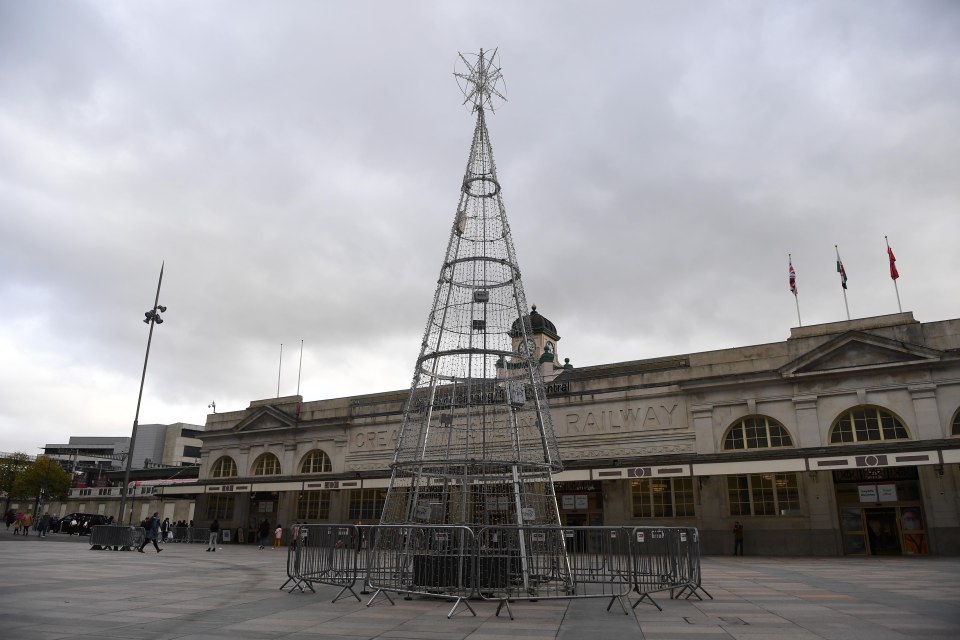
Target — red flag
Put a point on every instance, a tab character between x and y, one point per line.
793	280
893	267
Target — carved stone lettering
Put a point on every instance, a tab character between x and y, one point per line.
374	440
659	414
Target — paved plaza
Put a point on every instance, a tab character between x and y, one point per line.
58	588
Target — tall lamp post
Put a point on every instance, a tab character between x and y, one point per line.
152	318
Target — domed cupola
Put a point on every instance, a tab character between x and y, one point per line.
538	325
543	335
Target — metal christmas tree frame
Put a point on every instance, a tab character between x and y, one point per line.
477	446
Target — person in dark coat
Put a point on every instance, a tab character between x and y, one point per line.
737	538
214	535
151	533
264	532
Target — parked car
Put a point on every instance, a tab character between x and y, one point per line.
78	523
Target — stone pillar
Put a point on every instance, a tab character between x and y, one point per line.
928	425
244	461
288	463
703	428
808	432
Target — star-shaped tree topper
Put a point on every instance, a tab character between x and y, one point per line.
480	80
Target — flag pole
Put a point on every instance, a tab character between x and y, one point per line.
842	281
299	400
793	288
301	366
895	288
279	369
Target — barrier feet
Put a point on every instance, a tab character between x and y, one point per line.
619	599
377	593
350	589
688	591
504	603
646	596
457	604
298	584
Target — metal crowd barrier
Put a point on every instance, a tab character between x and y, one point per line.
325	554
295	551
523	563
665	559
600	562
116	537
199	534
689	565
180	534
435	560
190	534
498	563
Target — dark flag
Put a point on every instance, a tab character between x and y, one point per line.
842	272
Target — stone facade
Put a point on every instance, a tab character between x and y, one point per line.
659	442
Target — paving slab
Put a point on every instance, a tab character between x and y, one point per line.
62	589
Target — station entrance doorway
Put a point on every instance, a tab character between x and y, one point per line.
881	511
580	503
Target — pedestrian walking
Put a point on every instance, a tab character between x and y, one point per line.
277	536
42	525
737	538
359	544
10	517
152	529
264	533
214	535
164	529
17	523
294	535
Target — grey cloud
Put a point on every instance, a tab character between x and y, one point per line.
298	165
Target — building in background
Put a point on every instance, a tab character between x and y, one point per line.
88	458
164	455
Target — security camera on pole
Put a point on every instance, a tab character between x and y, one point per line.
151	318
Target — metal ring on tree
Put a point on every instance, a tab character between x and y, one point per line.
469	182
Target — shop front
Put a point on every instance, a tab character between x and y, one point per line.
881	511
580	503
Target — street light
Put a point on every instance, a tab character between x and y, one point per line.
151	318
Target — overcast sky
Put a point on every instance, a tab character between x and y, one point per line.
297	165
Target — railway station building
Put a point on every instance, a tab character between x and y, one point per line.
842	440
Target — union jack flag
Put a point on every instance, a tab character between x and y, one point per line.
842	272
793	280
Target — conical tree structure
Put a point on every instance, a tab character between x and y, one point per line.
477	446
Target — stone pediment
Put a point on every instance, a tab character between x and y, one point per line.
266	419
858	350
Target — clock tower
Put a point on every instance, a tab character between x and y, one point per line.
541	343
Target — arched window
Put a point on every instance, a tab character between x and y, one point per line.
316	462
756	432
955	431
267	465
224	467
867	424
